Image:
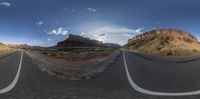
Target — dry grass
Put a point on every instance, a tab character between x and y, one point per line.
73	57
78	56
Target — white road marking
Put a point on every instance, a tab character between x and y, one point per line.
14	82
149	92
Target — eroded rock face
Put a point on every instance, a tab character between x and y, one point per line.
79	41
162	40
4	47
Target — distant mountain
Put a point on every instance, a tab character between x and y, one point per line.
79	41
112	45
19	46
166	42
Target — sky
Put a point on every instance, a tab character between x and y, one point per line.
46	22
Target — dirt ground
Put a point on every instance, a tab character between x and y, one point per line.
74	66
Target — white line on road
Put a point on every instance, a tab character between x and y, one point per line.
144	91
14	82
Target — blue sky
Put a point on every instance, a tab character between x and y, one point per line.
45	22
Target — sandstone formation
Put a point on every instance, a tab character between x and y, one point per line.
7	47
78	41
4	47
167	42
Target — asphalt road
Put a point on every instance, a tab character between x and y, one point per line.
164	76
150	73
8	68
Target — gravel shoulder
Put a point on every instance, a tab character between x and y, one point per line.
60	68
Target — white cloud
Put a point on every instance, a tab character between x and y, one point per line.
82	33
91	9
49	39
113	34
117	30
7	4
36	43
65	8
102	34
45	31
73	10
59	31
40	23
138	30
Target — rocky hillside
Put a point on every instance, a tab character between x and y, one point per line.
4	47
79	41
165	42
7	47
19	46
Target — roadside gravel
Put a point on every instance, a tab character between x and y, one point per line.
72	70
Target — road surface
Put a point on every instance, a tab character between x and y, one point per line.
153	74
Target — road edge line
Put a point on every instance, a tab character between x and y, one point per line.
149	92
14	82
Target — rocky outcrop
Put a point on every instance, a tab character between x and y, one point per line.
78	41
19	46
112	45
164	42
4	47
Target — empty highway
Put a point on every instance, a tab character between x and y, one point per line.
131	76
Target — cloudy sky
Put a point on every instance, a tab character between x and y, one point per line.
45	22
